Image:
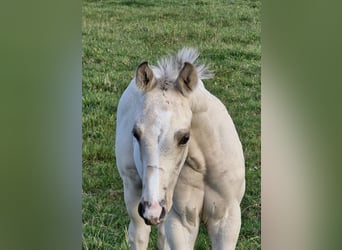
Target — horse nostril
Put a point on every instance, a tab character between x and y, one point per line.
162	203
141	210
163	212
147	204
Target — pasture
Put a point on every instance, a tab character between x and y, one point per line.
116	37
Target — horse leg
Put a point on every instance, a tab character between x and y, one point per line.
182	223
162	242
224	231
180	236
138	231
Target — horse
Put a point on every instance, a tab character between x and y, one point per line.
179	156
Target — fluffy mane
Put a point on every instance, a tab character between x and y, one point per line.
168	68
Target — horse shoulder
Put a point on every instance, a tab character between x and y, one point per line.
217	140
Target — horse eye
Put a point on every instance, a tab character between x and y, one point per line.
184	139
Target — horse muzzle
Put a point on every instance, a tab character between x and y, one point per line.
152	213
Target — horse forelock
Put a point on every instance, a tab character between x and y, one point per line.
168	68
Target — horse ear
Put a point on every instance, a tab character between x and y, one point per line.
144	77
187	79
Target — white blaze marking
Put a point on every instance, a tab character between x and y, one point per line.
153	187
161	125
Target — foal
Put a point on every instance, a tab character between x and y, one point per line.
179	156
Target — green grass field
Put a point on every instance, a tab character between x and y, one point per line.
117	36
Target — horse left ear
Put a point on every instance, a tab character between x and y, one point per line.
144	77
187	79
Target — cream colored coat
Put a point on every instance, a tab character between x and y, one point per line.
179	155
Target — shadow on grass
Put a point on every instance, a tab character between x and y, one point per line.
133	3
152	3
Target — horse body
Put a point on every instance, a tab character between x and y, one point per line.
179	156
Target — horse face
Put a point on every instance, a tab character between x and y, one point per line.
161	137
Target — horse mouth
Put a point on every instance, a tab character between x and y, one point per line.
152	222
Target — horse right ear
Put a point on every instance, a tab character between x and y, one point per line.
187	79
144	77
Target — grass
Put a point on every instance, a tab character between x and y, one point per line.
117	36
